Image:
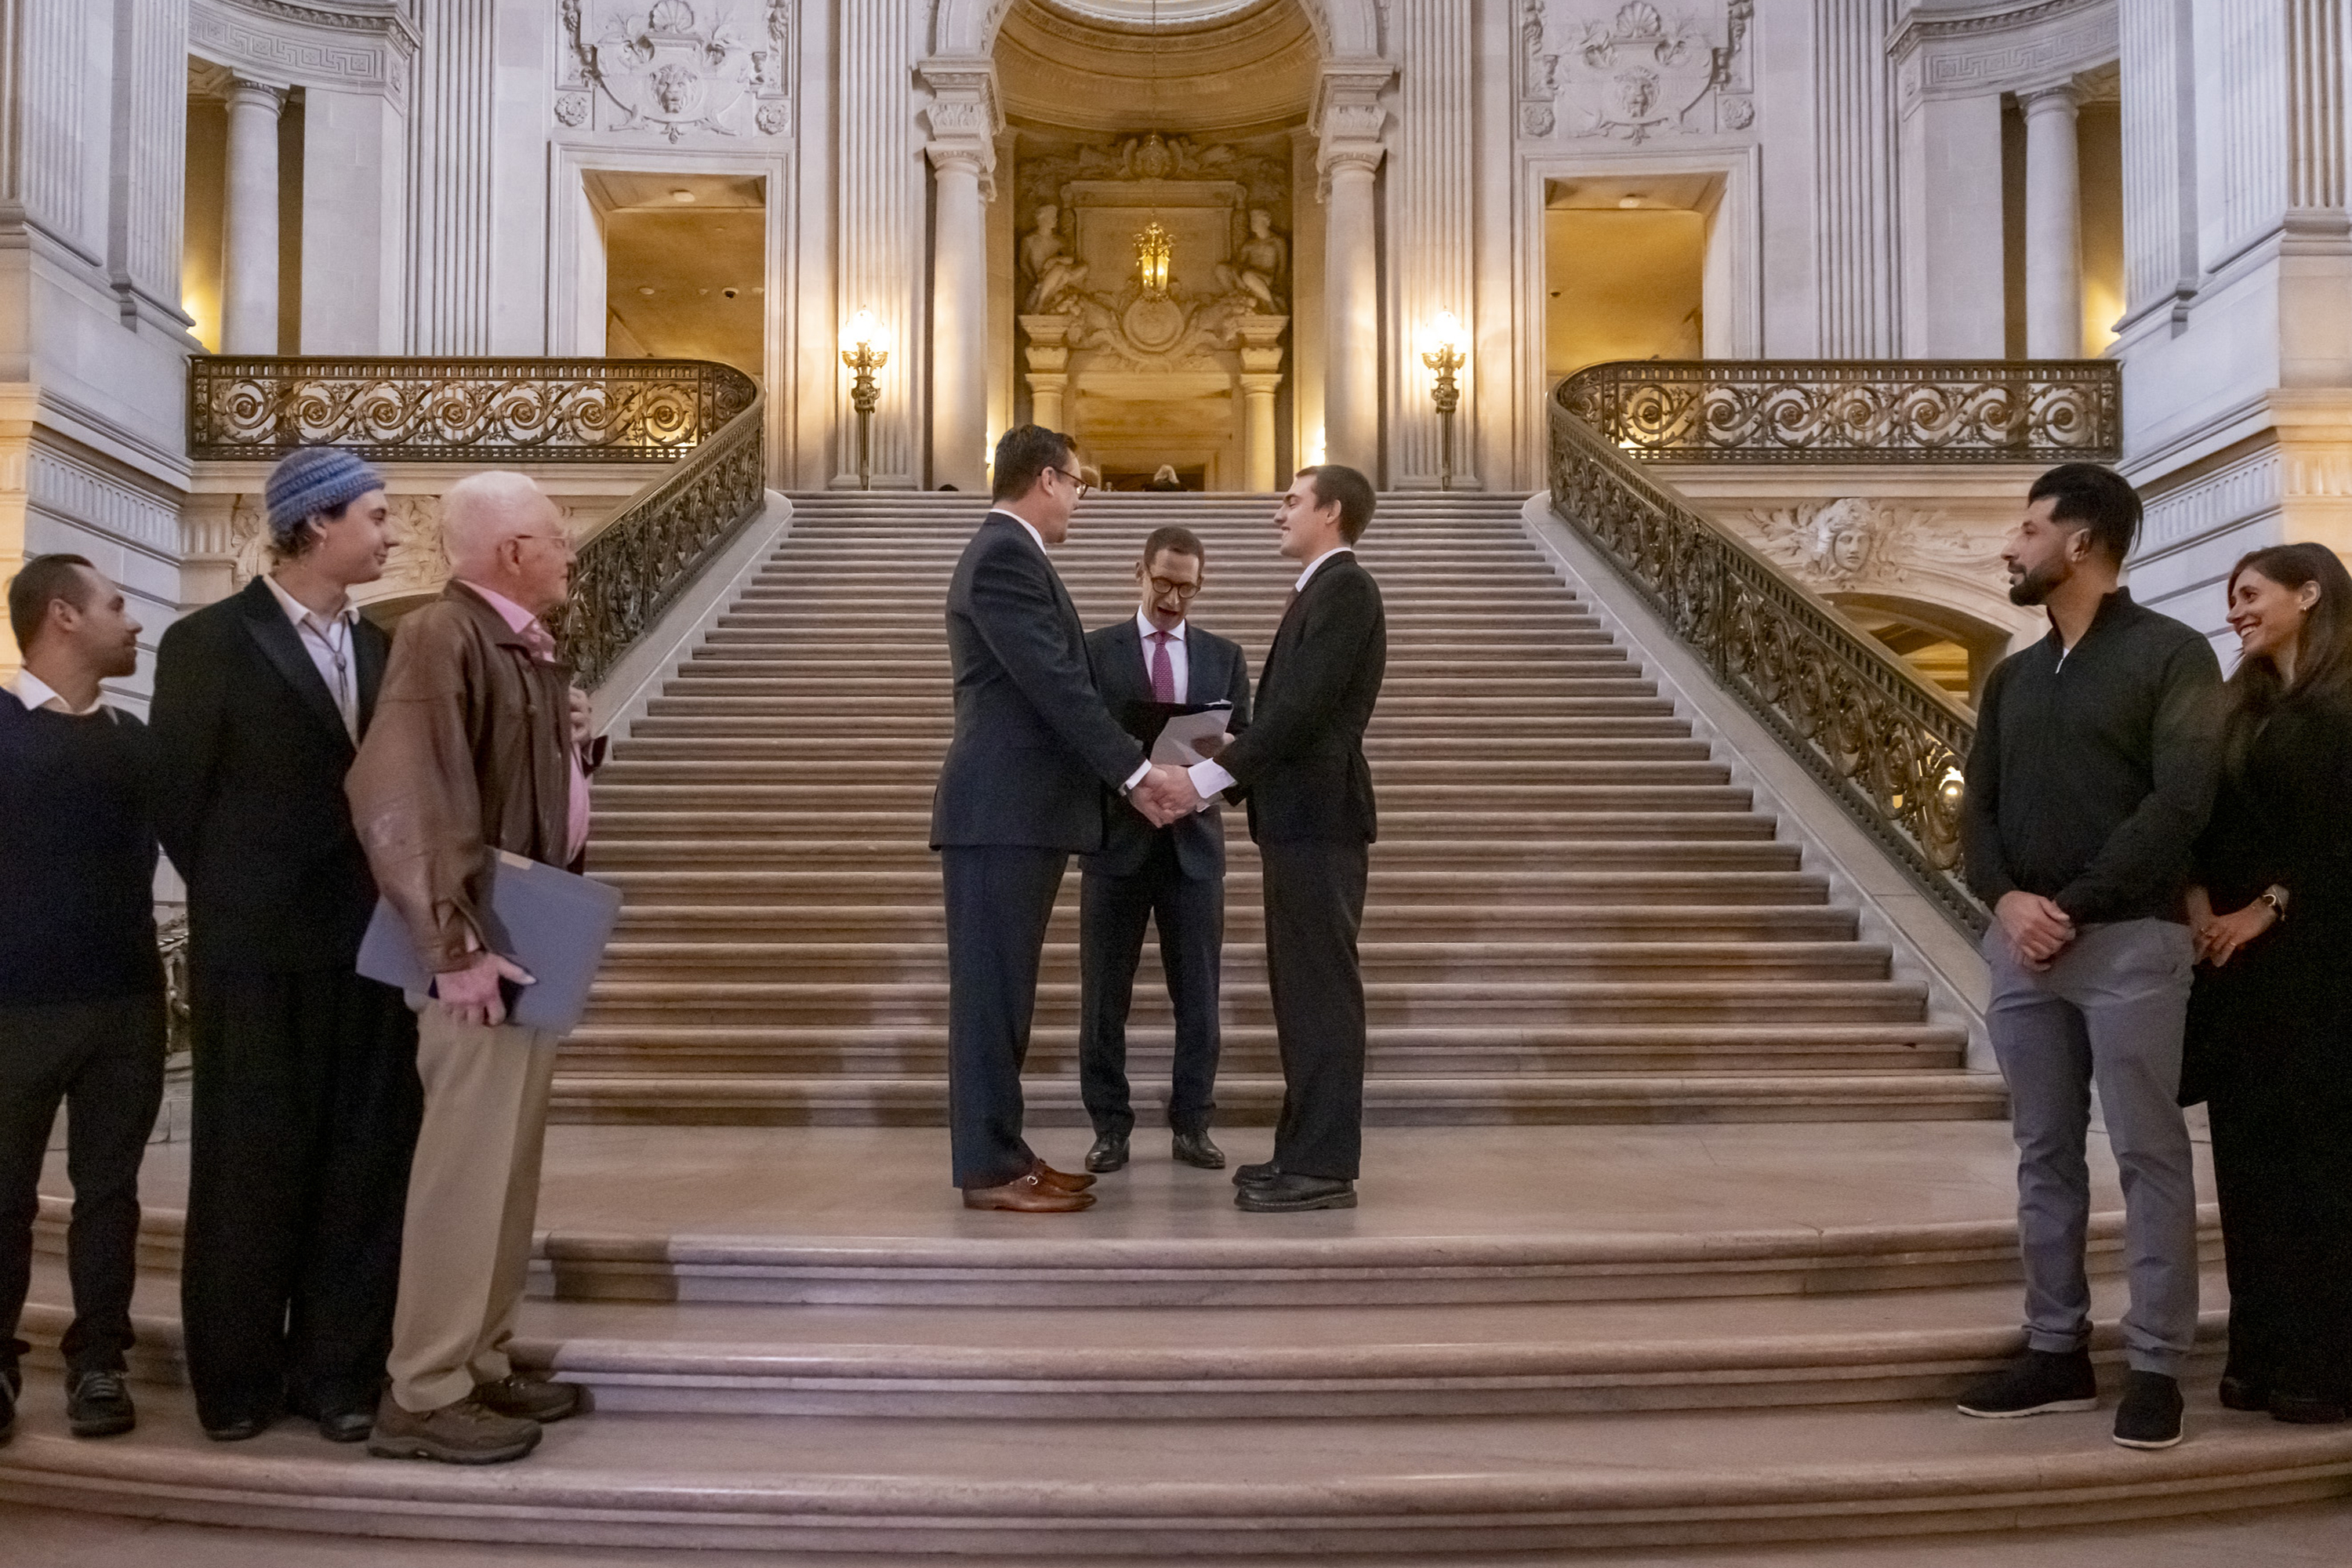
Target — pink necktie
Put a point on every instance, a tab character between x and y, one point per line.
1163	669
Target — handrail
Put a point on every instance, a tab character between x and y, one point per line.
707	419
632	567
1885	742
439	410
1877	411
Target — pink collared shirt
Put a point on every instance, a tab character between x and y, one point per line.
542	645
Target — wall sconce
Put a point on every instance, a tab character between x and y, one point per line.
866	353
1154	248
1444	355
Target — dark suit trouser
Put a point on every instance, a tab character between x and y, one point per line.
305	1110
1112	912
998	900
1314	909
104	1061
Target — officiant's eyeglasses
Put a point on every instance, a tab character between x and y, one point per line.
1084	490
1170	585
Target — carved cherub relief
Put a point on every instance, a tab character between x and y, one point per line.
1047	257
1259	266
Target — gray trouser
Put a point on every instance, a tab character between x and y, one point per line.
2109	1011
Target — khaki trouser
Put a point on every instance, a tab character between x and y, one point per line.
473	1198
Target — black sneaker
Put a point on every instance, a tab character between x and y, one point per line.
11	1381
98	1405
2149	1414
2036	1383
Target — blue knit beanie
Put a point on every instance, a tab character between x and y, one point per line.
315	479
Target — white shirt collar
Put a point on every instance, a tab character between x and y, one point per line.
1338	550
1026	523
34	692
1144	624
298	612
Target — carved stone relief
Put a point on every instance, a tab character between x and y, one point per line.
675	68
1638	72
1854	542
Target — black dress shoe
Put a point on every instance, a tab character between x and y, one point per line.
1194	1149
245	1429
1110	1154
10	1382
98	1405
2243	1394
2307	1410
1255	1175
1294	1195
347	1425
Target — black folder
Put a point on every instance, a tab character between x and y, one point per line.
552	924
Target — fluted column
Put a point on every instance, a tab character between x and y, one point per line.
2053	225
958	324
1350	120
249	243
1351	296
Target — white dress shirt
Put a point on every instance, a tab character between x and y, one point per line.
1180	662
1210	777
34	692
328	640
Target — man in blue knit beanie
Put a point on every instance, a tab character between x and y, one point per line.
305	1098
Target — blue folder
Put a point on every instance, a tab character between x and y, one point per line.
552	924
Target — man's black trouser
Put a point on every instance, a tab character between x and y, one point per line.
998	900
1112	913
104	1061
306	1110
1314	910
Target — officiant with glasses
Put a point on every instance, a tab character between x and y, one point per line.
1148	666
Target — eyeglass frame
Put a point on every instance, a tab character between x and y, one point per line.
1187	592
1084	489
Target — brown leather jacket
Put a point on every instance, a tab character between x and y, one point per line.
469	752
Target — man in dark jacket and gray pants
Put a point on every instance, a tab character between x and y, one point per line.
1025	786
2094	766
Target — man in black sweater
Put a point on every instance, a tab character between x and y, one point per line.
306	1099
81	988
1311	813
2094	766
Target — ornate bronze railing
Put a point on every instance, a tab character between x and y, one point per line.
632	569
1879	411
464	410
1888	745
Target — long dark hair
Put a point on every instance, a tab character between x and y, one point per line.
2323	660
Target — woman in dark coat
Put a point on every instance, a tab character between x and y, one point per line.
2271	1017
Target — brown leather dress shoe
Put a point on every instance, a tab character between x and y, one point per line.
1027	1195
1060	1180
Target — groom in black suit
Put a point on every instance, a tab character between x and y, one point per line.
1028	782
1310	810
1151	660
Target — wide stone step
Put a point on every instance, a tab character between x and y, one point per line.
1250	1050
1386	1003
618	847
782	806
1382	751
868	963
1563	921
624	786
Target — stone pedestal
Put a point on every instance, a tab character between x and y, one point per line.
1261	379
1049	368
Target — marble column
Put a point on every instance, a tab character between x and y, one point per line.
959	321
1257	430
1352	396
249	237
2053	225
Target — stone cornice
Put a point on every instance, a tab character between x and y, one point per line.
2001	48
358	46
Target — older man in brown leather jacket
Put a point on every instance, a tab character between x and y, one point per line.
477	747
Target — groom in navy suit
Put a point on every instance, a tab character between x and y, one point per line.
1143	664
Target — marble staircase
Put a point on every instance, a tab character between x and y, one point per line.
1574	915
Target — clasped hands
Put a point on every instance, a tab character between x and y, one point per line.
2218	937
2035	928
1165	794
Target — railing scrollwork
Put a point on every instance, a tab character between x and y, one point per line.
707	420
1877	411
1887	744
